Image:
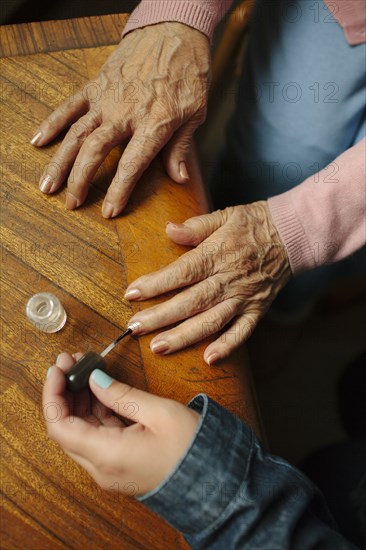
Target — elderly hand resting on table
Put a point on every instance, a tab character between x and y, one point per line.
151	94
90	426
230	279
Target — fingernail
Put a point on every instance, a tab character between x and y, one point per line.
107	209
135	326
71	201
60	357
183	171
160	346
48	372
45	184
212	358
176	225
101	379
35	139
132	294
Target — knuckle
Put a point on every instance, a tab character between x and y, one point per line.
240	331
183	340
123	182
225	212
219	317
205	223
212	222
187	306
114	129
156	132
208	293
215	286
207	257
66	107
79	131
53	120
96	141
247	325
144	283
189	268
185	143
181	336
151	143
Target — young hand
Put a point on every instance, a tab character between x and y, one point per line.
127	439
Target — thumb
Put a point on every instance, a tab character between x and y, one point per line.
195	230
176	153
123	399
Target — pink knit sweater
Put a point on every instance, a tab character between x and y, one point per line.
319	222
322	221
205	14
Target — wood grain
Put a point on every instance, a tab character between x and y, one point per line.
50	36
87	261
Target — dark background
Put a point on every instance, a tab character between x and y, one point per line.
22	11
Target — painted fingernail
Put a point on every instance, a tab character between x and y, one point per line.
45	184
135	326
176	225
160	346
107	209
71	201
183	171
101	379
132	294
35	139
48	372
213	358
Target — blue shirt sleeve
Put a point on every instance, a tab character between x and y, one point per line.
228	492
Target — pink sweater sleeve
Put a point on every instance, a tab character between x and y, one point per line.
351	15
202	15
324	219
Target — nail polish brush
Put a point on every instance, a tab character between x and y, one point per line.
78	377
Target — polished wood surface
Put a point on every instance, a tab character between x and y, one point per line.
87	261
50	36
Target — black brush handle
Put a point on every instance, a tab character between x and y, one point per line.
78	377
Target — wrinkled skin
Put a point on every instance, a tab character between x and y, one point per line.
151	95
229	281
117	434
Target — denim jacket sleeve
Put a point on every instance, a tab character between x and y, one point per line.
228	492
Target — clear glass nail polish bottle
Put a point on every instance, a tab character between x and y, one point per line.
46	312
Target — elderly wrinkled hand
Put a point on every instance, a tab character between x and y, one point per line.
150	94
229	281
128	440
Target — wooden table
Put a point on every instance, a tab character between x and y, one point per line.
87	261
